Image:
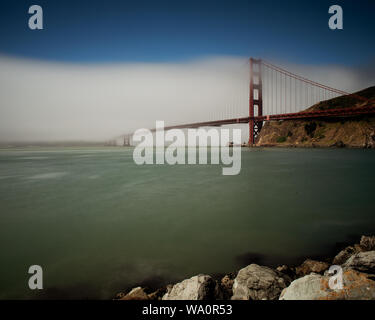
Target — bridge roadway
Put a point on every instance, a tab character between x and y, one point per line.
330	113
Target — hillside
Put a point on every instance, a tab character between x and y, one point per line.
356	132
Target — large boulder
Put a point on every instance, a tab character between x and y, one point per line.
367	243
200	287
362	261
356	286
257	283
310	266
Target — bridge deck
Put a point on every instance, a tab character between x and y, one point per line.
338	112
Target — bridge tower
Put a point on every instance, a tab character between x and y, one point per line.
255	99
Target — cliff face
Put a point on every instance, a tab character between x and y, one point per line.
356	132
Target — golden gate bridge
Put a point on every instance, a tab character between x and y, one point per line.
274	93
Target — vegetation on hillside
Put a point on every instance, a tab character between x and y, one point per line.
326	132
348	101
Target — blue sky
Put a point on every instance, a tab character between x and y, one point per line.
170	31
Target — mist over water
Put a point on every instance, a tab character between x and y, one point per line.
46	101
98	224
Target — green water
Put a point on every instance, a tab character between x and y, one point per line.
97	223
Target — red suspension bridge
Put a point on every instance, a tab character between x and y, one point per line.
274	93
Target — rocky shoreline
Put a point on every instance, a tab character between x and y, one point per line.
309	281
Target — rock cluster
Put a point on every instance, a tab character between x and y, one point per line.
357	286
357	263
309	281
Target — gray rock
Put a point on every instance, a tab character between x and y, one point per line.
367	243
257	283
356	286
362	261
200	287
305	288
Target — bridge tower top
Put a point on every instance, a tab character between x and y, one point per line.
255	99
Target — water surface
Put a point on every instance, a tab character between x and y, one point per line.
97	223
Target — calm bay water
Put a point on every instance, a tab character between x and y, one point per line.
97	223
